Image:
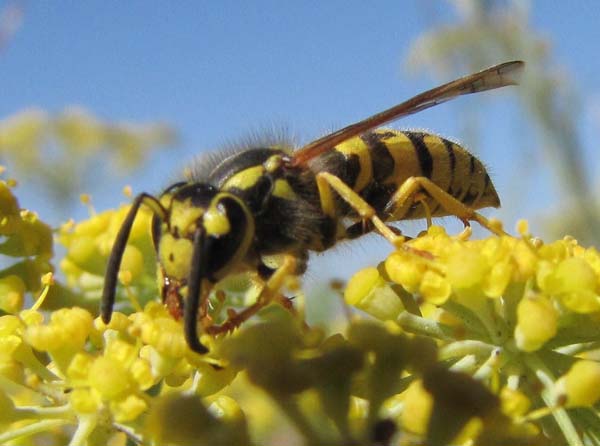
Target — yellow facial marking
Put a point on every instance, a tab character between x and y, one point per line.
184	216
355	146
283	189
215	222
245	179
175	255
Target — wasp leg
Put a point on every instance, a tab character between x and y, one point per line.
404	198
363	227
270	293
428	217
326	182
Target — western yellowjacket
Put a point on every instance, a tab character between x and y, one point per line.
243	211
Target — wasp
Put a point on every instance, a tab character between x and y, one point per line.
263	209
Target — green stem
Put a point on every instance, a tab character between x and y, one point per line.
589	418
34	412
557	362
559	413
12	388
574	349
494	326
464	348
131	433
85	427
30	429
26	357
490	367
427	327
407	299
467	364
474	325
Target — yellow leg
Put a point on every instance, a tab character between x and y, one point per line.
428	217
269	293
403	199
327	182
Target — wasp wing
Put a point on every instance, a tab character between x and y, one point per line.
494	77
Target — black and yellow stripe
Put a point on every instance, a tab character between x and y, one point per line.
378	162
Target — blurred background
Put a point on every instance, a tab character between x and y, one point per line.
98	95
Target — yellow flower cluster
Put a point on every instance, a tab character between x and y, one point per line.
470	342
85	370
509	311
88	246
66	367
27	242
79	134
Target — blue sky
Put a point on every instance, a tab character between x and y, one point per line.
217	70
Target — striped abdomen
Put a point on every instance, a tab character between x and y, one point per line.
377	163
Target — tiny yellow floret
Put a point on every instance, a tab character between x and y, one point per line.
128	408
12	294
537	322
466	268
523	227
361	285
109	378
84	401
514	403
574	282
404	270
48	279
580	386
498	278
435	288
85	198
368	291
79	367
